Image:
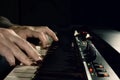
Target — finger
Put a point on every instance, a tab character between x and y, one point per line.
23	35
33	45
49	39
48	31
5	51
26	46
36	34
20	55
16	52
43	38
52	34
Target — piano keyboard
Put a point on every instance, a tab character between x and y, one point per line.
61	63
22	72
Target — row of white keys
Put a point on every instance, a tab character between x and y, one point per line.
21	72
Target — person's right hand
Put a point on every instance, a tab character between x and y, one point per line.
11	46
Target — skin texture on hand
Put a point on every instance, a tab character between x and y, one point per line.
14	40
10	44
40	32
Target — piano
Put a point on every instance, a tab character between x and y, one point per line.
66	60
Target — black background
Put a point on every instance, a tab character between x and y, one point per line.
62	12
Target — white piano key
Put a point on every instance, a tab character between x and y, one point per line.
25	69
16	78
22	72
41	51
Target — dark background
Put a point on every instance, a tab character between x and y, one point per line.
62	12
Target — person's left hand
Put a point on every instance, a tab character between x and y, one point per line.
41	33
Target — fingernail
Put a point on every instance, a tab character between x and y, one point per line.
57	39
40	58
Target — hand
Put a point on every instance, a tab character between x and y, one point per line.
41	33
11	45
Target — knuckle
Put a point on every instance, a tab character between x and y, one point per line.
40	34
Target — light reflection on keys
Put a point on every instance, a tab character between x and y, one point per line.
22	73
42	51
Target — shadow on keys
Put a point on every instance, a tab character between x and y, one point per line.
59	63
